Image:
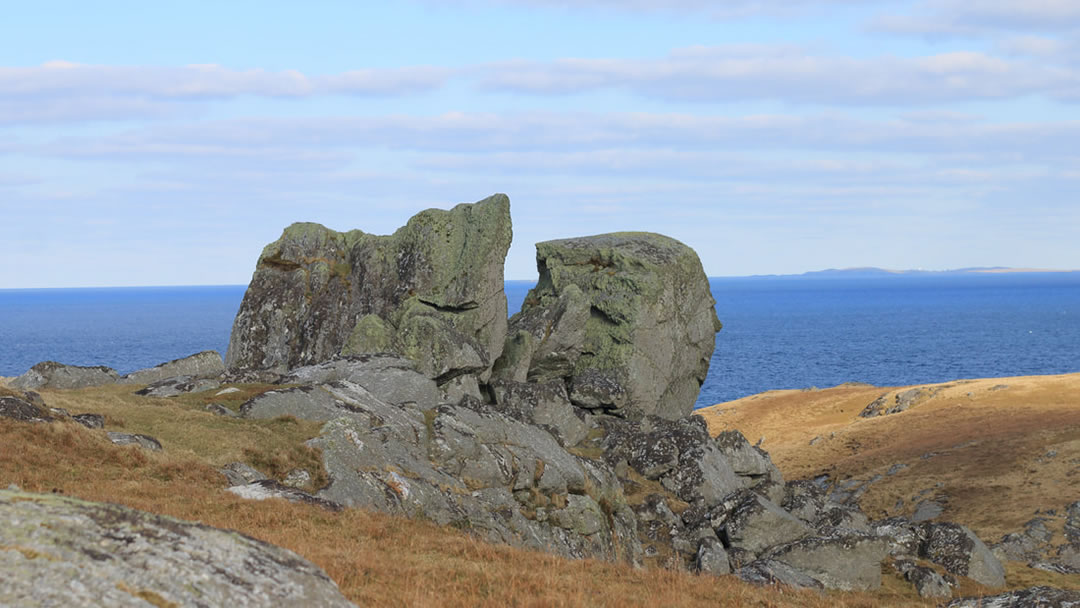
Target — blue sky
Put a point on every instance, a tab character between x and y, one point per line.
166	143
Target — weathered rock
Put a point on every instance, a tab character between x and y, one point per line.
241	474
59	551
264	489
50	374
206	364
927	510
894	403
927	581
178	385
902	537
756	524
143	441
391	378
90	421
1034	597
803	499
712	558
772	572
318	403
431	292
23	411
471	466
848	562
650	330
545	404
1068	556
961	553
297	478
220	410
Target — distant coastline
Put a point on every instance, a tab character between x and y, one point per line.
871	272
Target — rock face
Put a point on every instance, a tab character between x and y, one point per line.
626	319
58	551
50	374
431	292
206	364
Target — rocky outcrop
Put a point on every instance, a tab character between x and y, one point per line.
50	374
431	292
137	439
207	364
59	551
1040	597
178	385
23	411
625	319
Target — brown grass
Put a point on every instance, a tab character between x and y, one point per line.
376	559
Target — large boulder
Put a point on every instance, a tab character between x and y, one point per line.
59	551
431	292
206	364
626	319
50	374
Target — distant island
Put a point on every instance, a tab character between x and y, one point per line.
870	272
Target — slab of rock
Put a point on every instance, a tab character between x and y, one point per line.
50	374
90	421
1034	597
143	441
241	474
961	553
757	524
848	562
179	385
544	404
626	318
207	364
391	378
772	572
59	551
264	489
431	292
23	411
927	581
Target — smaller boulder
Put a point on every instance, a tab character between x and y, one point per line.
23	411
143	441
90	421
179	385
241	474
1041	597
712	558
50	374
927	581
961	553
757	524
207	364
264	489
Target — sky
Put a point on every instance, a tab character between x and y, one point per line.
158	143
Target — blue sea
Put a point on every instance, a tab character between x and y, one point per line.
779	332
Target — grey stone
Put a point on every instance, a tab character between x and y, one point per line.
264	489
1033	597
297	478
241	474
390	378
317	403
890	403
431	292
59	551
90	421
545	404
23	411
712	558
220	410
207	364
178	385
902	537
773	572
961	553
848	562
50	374
650	332
757	524
928	583
143	441
803	499
1068	556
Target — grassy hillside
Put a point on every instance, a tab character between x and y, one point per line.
994	452
384	560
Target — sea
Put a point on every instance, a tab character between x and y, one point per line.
779	332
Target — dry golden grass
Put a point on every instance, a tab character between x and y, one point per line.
979	445
376	559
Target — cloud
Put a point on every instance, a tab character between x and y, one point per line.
789	74
207	81
725	9
970	18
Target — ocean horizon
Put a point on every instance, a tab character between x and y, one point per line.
780	332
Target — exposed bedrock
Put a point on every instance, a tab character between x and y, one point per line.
432	292
625	319
59	551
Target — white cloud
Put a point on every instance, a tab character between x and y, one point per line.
715	9
207	81
788	74
969	18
